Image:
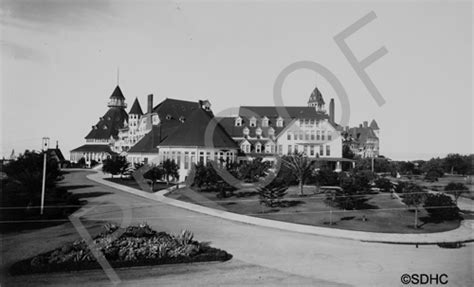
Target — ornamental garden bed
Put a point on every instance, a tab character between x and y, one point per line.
132	246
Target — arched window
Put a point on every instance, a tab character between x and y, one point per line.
238	122
258	147
271	132
246	131
258	132
279	122
253	121
265	122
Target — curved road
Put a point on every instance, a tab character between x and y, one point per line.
329	259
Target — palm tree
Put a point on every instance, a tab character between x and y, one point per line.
301	166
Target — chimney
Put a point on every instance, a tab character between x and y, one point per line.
150	103
331	111
360	125
57	145
366	124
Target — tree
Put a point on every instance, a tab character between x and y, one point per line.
253	170
384	184
414	196
327	177
456	189
301	166
352	194
455	162
155	173
441	206
116	165
170	169
381	164
433	169
272	196
27	169
347	152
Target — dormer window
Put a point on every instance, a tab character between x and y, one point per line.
258	131
279	122
206	105
253	121
104	127
238	122
271	132
168	117
265	122
258	147
181	119
246	131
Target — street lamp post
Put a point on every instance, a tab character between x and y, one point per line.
45	151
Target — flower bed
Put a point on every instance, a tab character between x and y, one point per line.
132	246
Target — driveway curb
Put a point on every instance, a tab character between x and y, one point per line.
464	233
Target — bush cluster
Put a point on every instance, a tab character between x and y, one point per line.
134	245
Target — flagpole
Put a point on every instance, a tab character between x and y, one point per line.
45	151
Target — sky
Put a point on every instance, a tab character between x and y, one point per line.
61	60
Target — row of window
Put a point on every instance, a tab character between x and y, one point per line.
309	135
259	132
311	150
259	148
190	157
253	122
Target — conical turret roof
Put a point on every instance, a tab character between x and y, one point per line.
316	97
136	108
117	94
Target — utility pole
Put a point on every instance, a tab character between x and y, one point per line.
45	151
372	162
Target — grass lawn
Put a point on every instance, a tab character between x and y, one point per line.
441	183
131	182
385	215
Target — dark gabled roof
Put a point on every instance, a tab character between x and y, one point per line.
316	97
136	109
273	112
117	94
172	109
57	153
174	115
109	124
149	143
373	125
193	132
94	148
362	134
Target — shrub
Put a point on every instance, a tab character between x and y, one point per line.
456	189
441	207
384	184
272	196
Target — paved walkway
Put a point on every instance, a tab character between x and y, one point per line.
462	234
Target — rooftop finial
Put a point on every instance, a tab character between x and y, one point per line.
118	75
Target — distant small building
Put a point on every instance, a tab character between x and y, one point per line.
363	140
56	154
